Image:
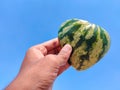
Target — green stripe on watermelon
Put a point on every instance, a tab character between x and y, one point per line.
67	23
70	32
88	48
105	42
80	41
81	38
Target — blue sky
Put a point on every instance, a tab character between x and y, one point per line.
24	23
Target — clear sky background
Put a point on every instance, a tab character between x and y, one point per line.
24	23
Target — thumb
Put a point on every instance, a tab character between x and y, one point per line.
64	54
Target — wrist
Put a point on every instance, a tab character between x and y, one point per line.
19	84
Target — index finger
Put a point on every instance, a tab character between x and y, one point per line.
50	45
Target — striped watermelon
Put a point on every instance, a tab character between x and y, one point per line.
89	42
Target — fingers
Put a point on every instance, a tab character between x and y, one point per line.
60	59
37	52
55	51
64	54
50	45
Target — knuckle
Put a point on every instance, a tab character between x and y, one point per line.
31	50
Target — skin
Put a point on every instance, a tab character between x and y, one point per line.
42	64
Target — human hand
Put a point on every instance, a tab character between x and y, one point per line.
41	66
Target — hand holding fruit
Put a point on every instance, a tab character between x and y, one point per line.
41	66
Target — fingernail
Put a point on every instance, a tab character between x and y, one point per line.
67	48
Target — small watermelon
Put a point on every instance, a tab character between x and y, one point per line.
90	42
